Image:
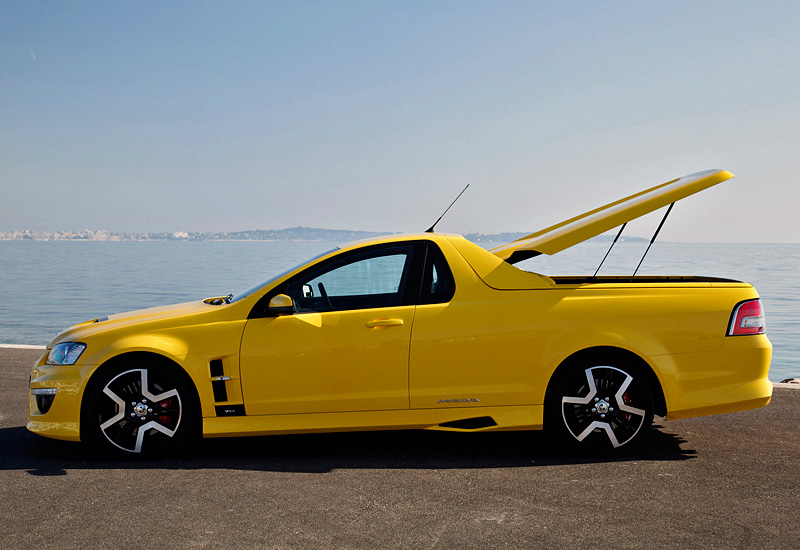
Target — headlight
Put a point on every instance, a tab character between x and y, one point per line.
65	353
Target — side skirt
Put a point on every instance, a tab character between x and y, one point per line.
528	417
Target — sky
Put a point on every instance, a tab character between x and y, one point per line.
229	116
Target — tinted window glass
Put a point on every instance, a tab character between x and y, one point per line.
372	279
438	285
381	275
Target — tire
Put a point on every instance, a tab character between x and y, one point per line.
141	408
601	407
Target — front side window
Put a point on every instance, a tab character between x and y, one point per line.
371	279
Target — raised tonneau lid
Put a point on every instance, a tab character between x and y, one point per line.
590	224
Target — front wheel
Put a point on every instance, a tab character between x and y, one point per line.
138	410
602	408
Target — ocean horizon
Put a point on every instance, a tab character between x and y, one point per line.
51	285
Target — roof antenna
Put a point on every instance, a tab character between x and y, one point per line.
652	240
621	229
430	229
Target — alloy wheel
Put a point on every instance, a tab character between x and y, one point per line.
605	408
139	411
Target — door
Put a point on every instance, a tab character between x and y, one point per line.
472	345
347	346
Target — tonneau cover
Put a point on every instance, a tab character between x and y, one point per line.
590	224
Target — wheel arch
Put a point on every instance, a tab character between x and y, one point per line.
134	357
610	353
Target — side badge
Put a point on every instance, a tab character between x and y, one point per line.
466	400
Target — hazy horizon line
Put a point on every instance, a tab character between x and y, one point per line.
83	235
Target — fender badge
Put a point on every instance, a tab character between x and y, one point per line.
466	400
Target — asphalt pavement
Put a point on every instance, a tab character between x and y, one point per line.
728	481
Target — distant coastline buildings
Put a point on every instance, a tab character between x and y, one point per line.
86	235
290	234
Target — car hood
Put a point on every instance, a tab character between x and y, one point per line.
590	224
161	313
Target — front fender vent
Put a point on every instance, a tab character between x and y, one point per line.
218	380
226	386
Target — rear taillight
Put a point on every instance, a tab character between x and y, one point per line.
747	318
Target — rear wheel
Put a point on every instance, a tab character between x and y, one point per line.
139	410
602	407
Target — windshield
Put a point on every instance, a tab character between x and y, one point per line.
274	278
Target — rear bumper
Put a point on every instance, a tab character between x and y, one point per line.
733	378
722	408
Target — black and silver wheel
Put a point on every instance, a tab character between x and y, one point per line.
602	409
139	411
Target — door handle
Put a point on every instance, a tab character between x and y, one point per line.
385	323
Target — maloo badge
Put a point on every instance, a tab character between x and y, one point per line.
467	400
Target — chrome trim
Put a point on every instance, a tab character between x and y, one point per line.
44	391
735	316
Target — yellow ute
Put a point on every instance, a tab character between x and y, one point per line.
418	331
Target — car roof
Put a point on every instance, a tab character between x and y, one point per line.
395	237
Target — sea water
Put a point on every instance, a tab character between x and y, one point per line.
48	286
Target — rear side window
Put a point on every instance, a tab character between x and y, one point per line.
438	285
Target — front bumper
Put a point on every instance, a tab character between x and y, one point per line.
62	420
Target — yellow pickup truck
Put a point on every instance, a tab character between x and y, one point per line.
422	331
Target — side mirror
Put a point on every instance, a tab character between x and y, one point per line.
280	304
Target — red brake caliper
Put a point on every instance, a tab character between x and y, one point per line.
165	417
627	401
